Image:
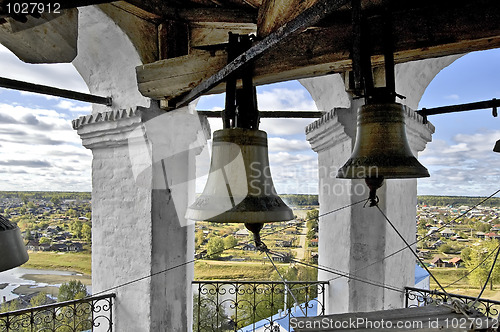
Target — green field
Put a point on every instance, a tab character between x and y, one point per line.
447	276
77	262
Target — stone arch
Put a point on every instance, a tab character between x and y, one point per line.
107	59
412	78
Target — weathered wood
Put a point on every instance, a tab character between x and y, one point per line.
419	34
52	38
275	13
173	39
309	17
427	318
213	33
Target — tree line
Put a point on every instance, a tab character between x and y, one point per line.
457	201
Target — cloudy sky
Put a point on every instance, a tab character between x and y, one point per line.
40	151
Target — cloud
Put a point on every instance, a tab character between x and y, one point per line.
41	151
282	144
452	97
26	163
63	76
73	107
281	99
465	166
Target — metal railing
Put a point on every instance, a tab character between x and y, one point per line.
245	306
86	314
416	297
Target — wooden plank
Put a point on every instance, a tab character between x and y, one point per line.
275	13
309	17
52	38
213	33
427	318
320	51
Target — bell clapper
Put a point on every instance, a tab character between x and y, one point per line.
255	229
374	184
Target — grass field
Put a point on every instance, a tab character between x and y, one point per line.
446	276
77	262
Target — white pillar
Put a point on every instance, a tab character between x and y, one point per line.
356	240
143	176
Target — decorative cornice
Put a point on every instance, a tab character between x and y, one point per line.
338	125
327	131
114	115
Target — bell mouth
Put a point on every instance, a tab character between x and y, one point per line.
11	246
239	187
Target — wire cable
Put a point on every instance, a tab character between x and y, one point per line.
343	274
476	267
213	254
487	279
284	282
411	249
418	240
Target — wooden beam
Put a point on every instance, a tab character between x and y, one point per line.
275	13
418	34
52	38
215	33
309	17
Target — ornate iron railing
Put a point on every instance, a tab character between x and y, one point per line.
245	306
89	314
416	297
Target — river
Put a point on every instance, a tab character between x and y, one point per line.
20	280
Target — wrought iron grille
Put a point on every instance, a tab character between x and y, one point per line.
416	297
89	314
245	306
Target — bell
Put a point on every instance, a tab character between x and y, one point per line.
239	188
381	148
497	146
11	246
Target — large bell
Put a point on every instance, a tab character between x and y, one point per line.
239	188
381	149
12	249
497	146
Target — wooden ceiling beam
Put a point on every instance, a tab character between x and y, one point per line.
275	13
418	34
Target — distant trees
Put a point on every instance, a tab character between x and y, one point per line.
300	199
215	247
44	240
312	223
72	290
230	242
86	232
456	201
474	255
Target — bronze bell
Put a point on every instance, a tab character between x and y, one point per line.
381	149
12	249
239	188
497	146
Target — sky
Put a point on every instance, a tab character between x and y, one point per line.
39	150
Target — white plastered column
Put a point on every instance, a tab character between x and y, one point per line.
357	240
143	174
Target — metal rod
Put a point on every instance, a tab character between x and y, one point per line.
48	90
460	107
270	114
307	18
